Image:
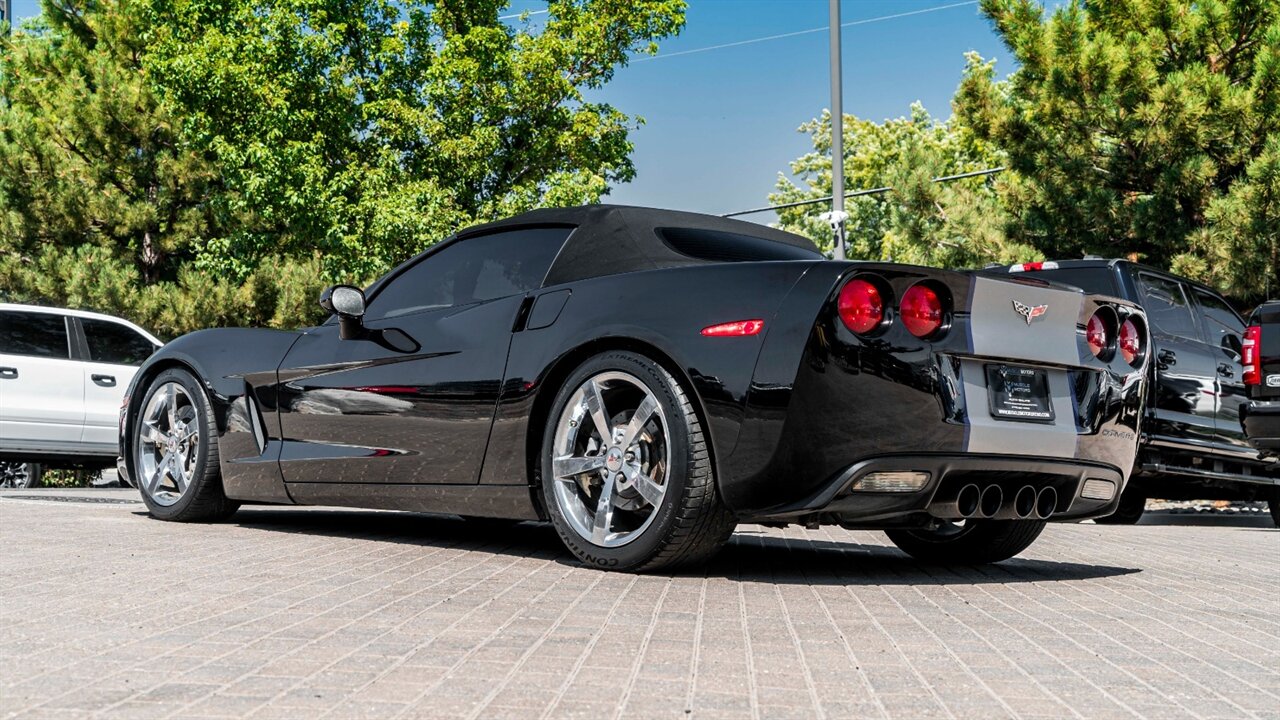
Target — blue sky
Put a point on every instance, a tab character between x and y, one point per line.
721	124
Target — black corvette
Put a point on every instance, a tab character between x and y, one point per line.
648	379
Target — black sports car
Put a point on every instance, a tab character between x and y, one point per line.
646	380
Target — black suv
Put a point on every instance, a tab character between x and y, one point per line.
1193	444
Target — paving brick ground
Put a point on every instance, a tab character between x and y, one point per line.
303	613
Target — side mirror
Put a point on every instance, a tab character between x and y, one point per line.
347	303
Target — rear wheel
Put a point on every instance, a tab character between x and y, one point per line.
20	474
176	453
1273	504
968	542
625	471
1132	505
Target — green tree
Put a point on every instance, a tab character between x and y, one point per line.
952	224
87	154
1142	128
370	128
188	163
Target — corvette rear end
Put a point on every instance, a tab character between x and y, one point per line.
923	398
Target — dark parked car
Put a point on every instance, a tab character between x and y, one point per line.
1193	443
1260	362
646	380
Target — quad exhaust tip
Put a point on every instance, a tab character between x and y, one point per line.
972	501
1046	503
992	499
967	500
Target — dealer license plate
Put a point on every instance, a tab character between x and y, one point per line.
1019	393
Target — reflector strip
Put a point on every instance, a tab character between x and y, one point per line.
734	329
1097	489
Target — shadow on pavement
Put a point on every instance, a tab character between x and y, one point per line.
1209	519
748	557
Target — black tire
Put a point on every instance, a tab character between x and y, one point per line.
204	499
1273	504
20	475
691	522
977	543
1132	505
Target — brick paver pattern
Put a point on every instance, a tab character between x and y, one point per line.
318	613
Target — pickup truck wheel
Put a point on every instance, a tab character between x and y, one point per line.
176	452
625	472
971	542
1128	512
20	474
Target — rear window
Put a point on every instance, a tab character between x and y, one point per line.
718	246
34	334
1098	281
115	343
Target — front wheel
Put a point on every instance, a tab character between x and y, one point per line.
625	471
176	454
969	542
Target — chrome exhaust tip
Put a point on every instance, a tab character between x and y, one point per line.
957	504
1024	503
967	500
991	500
1046	503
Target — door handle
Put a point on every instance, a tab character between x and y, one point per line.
1167	357
105	380
8	373
1226	370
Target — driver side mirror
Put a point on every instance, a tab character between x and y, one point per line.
347	303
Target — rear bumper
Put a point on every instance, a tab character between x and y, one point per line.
837	502
1261	422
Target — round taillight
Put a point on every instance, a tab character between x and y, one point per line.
861	306
1130	342
1096	335
922	311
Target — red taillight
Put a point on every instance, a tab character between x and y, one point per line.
861	306
1130	342
734	329
1251	355
1096	335
922	311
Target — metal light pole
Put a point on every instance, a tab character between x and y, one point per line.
837	216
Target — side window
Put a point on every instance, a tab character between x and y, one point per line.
34	334
1167	306
1221	322
115	343
470	271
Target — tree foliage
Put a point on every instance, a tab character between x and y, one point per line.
204	147
1143	128
953	224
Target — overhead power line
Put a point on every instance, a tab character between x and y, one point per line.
520	15
860	193
810	31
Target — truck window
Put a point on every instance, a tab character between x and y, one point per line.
1167	306
1096	280
1221	322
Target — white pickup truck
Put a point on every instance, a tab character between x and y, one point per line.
63	374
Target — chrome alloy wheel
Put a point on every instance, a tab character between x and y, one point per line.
168	444
611	459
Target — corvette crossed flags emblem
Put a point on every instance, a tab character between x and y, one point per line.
1030	312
